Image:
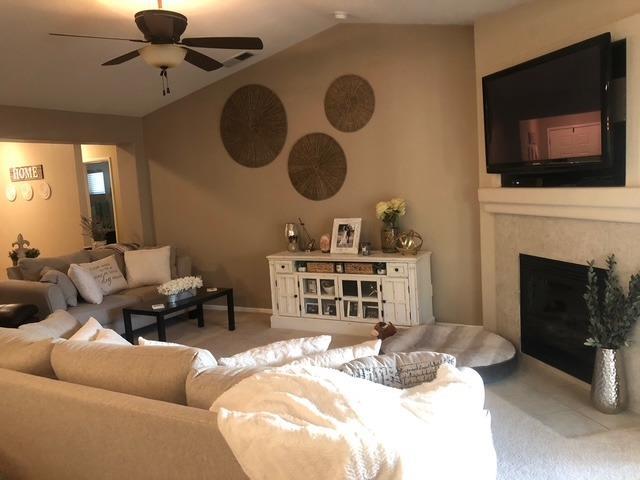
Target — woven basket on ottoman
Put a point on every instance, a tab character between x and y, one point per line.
491	355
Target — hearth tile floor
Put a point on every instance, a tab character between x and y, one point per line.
561	405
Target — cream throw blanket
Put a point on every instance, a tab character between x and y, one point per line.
314	423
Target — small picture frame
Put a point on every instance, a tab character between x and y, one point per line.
346	235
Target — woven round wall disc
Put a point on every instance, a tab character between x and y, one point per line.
253	126
349	103
317	166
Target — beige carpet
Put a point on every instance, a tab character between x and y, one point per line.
527	448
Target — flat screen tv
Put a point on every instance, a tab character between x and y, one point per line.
550	113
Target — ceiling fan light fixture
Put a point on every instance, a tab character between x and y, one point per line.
163	55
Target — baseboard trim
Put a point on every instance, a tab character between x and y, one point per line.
239	309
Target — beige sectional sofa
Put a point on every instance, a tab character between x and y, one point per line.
120	413
24	286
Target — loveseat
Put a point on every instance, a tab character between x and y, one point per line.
24	286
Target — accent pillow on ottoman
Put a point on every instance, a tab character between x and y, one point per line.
148	267
399	370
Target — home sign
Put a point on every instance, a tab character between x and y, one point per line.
26	173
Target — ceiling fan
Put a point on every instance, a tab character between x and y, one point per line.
162	30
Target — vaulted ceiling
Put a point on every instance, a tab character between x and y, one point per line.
64	73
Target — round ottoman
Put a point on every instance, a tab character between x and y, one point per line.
491	355
12	315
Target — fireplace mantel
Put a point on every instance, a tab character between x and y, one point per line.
615	204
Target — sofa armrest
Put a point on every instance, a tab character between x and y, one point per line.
183	266
46	296
14	273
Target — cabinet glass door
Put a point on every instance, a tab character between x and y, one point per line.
361	300
319	298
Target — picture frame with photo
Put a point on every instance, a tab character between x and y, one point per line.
346	235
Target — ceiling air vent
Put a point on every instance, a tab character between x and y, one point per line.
241	57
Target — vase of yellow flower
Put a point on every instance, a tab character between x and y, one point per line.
389	212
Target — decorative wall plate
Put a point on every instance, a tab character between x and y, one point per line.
26	191
253	126
44	190
11	193
317	166
349	103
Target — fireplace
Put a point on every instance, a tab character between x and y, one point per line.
553	314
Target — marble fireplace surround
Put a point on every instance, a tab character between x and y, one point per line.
568	224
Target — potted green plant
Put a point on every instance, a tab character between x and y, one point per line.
612	316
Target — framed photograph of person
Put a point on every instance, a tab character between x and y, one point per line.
346	235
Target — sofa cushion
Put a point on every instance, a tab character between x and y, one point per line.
31	268
159	373
108	312
278	353
107	274
86	284
69	290
148	267
204	355
399	370
205	386
336	357
27	352
59	324
143	294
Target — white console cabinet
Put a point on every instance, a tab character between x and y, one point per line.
339	293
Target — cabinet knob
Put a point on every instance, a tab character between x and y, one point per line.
396	269
282	266
295	296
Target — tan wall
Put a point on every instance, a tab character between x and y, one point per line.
51	225
420	144
126	189
53	126
538	27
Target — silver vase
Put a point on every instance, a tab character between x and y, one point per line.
176	297
609	384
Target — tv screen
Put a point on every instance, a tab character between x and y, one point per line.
549	113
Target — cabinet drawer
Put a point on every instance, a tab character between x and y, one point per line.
396	269
284	267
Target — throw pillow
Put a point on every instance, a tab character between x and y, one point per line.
399	370
86	284
148	267
204	355
336	357
106	335
50	275
278	353
59	324
88	331
107	274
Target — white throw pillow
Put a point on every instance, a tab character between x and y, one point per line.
148	267
278	353
88	331
336	357
106	335
59	324
204	356
107	274
86	284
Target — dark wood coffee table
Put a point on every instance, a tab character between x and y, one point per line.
145	308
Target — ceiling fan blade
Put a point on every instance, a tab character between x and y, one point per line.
235	43
122	58
201	61
100	38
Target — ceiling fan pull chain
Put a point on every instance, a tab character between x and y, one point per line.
166	77
162	75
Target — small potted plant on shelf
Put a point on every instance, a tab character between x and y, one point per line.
28	253
389	212
612	316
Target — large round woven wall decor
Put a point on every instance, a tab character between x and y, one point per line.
349	103
317	166
253	126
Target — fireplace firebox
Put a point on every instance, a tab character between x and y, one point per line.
553	314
